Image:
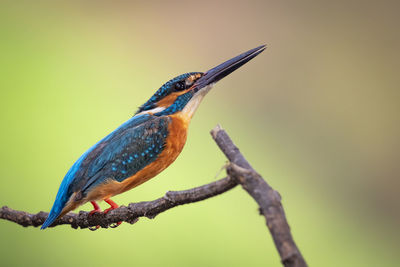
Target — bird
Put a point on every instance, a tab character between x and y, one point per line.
143	146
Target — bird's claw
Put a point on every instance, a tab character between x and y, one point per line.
115	225
94	228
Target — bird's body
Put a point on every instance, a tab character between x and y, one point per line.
143	146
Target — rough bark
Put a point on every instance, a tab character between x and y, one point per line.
130	214
268	200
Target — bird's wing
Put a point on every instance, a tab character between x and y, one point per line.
123	153
119	155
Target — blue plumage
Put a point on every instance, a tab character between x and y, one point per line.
178	105
64	192
117	159
121	154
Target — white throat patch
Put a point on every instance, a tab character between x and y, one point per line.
194	103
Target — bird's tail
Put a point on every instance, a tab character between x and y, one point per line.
62	197
65	192
53	215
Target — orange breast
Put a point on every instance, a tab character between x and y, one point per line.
174	144
177	133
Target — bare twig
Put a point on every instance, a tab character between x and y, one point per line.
130	214
239	172
267	199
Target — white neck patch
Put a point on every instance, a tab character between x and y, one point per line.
152	111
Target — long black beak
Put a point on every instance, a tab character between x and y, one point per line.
226	68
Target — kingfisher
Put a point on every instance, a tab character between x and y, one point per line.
143	146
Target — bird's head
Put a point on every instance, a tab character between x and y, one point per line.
184	93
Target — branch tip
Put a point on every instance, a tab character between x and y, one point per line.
215	130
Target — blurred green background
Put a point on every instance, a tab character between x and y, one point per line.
317	114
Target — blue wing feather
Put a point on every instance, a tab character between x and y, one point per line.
127	153
90	164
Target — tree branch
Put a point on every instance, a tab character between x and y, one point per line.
267	199
239	171
130	214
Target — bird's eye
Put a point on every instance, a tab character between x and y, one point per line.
180	86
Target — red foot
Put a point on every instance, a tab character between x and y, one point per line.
96	208
112	204
113	207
